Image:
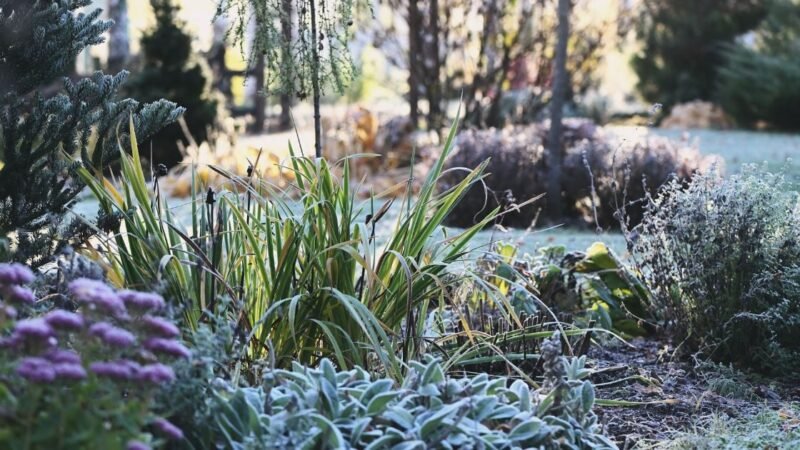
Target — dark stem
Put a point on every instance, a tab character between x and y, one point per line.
560	79
315	80
414	47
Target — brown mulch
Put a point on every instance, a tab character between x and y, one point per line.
649	371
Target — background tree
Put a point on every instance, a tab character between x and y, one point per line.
315	59
683	45
43	140
759	83
503	67
171	71
285	120
560	81
119	45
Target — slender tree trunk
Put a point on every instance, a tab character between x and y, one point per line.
315	43
434	67
260	100
414	47
118	40
285	120
560	79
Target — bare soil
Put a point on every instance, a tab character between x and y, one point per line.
677	391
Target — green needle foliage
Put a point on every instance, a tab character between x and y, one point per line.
758	83
683	45
44	139
306	282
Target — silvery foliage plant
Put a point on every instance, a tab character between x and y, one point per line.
326	408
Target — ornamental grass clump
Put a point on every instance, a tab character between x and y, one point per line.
301	269
84	378
722	257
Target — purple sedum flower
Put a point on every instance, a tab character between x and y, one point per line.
137	445
156	373
144	301
168	429
36	370
8	311
160	326
100	328
117	370
117	337
97	294
33	328
69	371
17	293
111	335
85	288
11	341
168	347
64	319
15	273
63	356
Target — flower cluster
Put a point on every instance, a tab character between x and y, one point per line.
115	337
13	278
122	324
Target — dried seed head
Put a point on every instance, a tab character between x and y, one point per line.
210	200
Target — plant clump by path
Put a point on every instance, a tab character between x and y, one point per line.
601	176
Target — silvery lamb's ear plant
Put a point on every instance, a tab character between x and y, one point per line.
326	408
85	378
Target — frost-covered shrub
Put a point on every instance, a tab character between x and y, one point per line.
83	379
723	259
622	173
325	409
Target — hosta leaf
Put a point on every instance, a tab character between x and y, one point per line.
598	257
